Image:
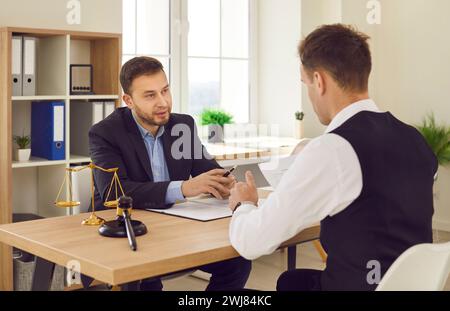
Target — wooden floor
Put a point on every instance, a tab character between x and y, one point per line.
267	269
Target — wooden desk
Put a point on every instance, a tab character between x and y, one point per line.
172	244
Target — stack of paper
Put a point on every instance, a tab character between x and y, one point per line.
200	209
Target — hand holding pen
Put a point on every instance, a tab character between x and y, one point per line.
229	171
213	182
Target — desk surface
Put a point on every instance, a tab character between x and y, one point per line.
172	244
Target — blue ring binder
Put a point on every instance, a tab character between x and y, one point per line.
48	130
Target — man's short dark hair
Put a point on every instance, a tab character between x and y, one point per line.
340	50
136	67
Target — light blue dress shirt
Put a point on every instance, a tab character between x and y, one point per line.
158	163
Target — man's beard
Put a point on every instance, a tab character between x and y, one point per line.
149	120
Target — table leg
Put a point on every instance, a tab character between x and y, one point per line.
132	286
43	275
292	257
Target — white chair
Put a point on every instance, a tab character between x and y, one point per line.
423	267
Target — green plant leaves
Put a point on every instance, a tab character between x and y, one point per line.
437	137
214	116
299	115
22	141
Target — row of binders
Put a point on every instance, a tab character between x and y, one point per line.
23	66
48	127
83	115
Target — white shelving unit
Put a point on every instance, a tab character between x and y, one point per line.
36	162
78	159
32	98
32	186
35	183
94	97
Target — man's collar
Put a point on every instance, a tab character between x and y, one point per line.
350	111
143	131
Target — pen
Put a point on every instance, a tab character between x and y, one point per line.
227	173
230	171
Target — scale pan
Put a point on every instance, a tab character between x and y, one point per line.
111	204
65	204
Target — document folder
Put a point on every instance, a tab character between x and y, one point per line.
29	67
16	66
201	209
47	130
83	115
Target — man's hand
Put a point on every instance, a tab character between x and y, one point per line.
211	182
244	191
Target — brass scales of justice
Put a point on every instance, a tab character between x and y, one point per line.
122	226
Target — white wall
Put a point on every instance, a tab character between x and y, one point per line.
279	95
314	14
412	72
96	15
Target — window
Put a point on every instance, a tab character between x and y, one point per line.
218	56
203	44
146	30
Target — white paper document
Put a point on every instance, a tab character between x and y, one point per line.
206	209
274	170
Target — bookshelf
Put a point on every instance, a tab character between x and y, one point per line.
31	187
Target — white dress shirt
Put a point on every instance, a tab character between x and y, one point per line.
323	180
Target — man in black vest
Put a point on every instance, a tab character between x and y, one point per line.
157	152
368	179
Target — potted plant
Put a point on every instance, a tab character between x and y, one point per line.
215	119
437	137
23	152
299	116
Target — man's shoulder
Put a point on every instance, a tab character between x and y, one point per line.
327	143
176	118
180	119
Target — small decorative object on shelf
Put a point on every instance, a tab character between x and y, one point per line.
81	80
23	151
437	137
115	185
299	116
215	119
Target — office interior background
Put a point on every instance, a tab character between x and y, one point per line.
241	56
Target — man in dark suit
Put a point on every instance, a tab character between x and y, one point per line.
157	152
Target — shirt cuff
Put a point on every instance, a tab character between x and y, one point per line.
244	209
174	192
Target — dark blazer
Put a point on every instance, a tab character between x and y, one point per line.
117	142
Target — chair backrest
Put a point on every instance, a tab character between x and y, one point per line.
423	267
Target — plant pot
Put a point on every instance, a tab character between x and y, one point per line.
22	155
215	133
298	129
